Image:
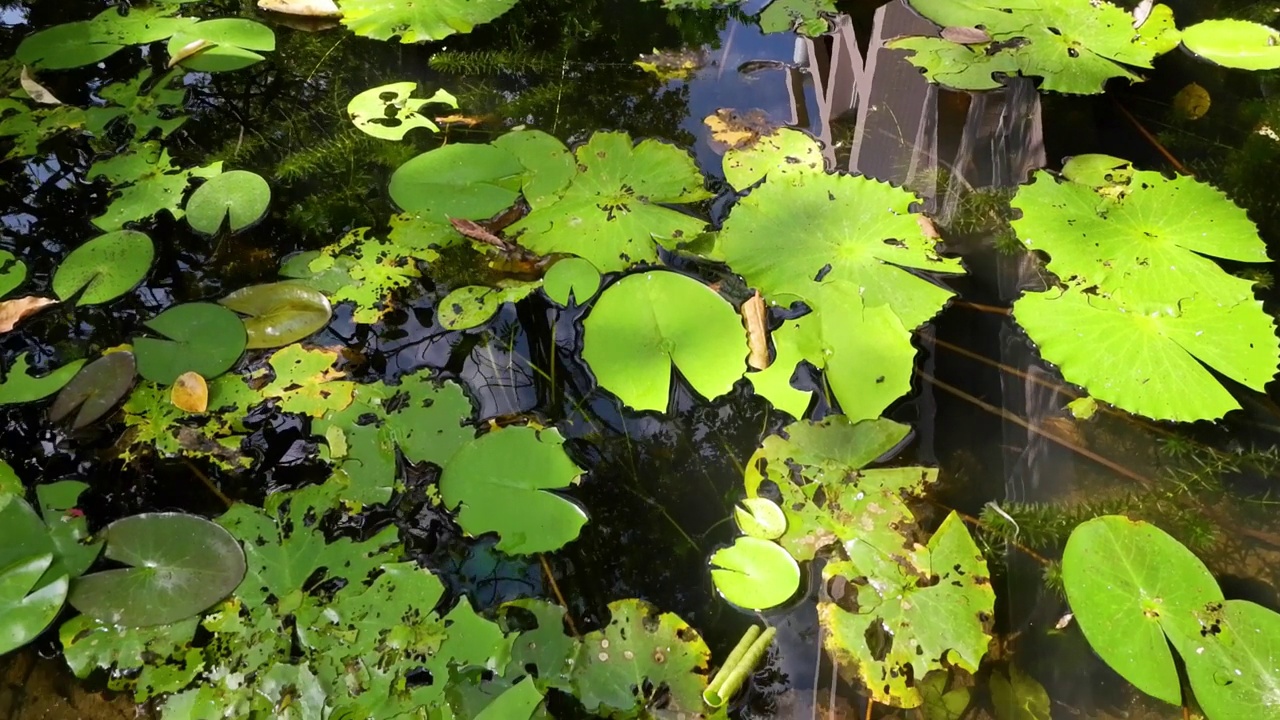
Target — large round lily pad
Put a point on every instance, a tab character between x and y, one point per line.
180	565
201	337
755	574
279	313
239	196
230	44
458	181
105	268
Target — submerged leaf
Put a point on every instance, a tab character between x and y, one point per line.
472	306
279	313
201	337
95	389
105	268
12	272
238	196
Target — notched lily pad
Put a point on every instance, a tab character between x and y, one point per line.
20	387
458	181
755	574
571	280
230	44
388	112
239	197
104	268
279	313
201	337
96	389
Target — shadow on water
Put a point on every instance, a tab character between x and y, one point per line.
660	488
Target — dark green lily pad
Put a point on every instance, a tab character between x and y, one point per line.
105	268
95	389
202	338
279	313
755	574
88	41
24	616
179	564
12	272
239	196
458	181
19	387
231	44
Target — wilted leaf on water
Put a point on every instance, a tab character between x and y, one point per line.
472	306
232	42
145	102
388	112
24	616
279	313
307	383
37	91
19	387
1235	44
755	574
732	130
192	48
753	316
95	389
784	153
180	566
200	337
12	272
966	35
571	280
304	8
105	267
238	196
190	393
13	311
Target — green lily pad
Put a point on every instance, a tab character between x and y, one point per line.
159	107
388	112
549	166
180	566
25	534
1232	653
12	272
1125	581
500	481
1098	171
86	42
201	337
25	614
755	574
96	389
20	387
105	268
1235	44
571	280
144	182
782	153
472	306
1019	696
280	313
232	43
956	65
609	214
518	703
418	22
1146	359
238	196
760	518
644	323
458	181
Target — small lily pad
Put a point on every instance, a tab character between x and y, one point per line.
571	280
239	196
279	313
179	564
755	574
231	43
388	112
472	306
95	389
19	387
202	337
761	518
12	272
105	268
24	616
1097	170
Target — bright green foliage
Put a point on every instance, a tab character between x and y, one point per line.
20	387
418	21
458	181
388	111
12	272
571	280
239	196
279	313
472	305
25	611
88	644
144	111
306	383
645	322
500	480
784	153
88	41
1096	170
548	164
608	213
230	44
942	704
95	389
156	423
755	574
364	269
760	518
30	127
1075	45
1239	640
105	268
1235	44
144	183
803	16
421	237
180	565
199	337
518	703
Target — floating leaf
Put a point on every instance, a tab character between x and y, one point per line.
472	306
144	182
238	196
304	8
19	387
1126	580
180	565
755	574
1232	653
201	337
1097	170
418	22
105	268
500	480
549	166
88	41
158	108
1235	43
1192	102
518	703
609	214
459	180
307	383
785	152
95	389
761	518
279	313
12	272
24	616
231	43
571	280
13	311
388	112
644	323
190	393
35	90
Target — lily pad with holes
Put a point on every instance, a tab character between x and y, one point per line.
755	574
1232	654
458	181
500	482
549	166
144	182
20	387
232	44
279	313
96	389
472	306
180	565
418	22
86	42
1235	44
12	272
609	214
645	323
517	703
238	197
199	337
104	268
571	280
25	614
388	111
779	155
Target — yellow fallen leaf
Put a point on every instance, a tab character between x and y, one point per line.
733	130
753	315
11	311
38	92
195	47
190	393
303	8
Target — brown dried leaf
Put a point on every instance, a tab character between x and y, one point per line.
12	311
753	314
190	393
928	228
966	35
735	130
38	92
476	231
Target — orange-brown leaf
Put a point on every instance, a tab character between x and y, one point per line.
190	393
753	315
11	311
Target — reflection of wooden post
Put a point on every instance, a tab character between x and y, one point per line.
837	72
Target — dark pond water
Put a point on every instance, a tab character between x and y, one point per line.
663	487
